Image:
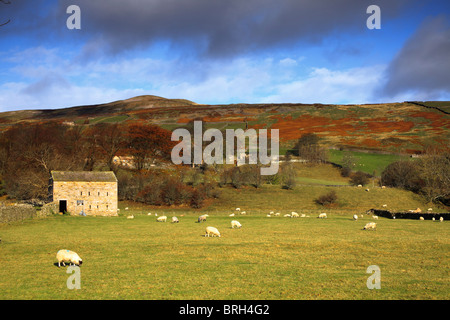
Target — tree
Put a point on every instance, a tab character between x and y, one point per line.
308	148
359	178
146	143
109	139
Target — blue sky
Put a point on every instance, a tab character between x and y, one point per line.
223	51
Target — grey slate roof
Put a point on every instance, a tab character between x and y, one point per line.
85	176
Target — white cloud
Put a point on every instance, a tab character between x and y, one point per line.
55	82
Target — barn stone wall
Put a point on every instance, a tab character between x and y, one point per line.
92	198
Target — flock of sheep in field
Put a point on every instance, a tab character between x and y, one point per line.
212	231
73	258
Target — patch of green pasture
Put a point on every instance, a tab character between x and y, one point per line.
268	258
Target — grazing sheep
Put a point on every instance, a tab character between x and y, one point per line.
367	190
287	216
149	214
268	215
236	224
370	226
161	219
322	215
430	209
294	215
202	218
131	217
375	217
359	186
243	212
238	209
211	231
415	211
175	220
126	208
355	217
383	187
433	219
303	215
421	218
65	255
384	205
277	214
271	212
231	215
441	219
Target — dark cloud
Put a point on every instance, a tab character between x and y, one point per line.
45	84
423	64
218	28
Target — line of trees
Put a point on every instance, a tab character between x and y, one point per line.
428	176
29	152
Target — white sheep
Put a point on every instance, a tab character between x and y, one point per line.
355	217
131	217
359	185
287	216
322	215
375	217
367	190
231	215
441	219
271	212
430	209
65	255
211	231
202	218
236	224
149	214
421	218
243	212
384	205
126	208
268	216
383	187
370	226
238	209
294	214
415	211
175	220
161	219
303	215
433	219
277	214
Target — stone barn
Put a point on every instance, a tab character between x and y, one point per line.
89	192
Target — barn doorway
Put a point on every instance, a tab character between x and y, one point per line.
63	206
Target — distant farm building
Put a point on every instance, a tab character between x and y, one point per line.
84	192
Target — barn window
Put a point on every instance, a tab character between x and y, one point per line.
107	194
89	193
99	193
80	203
89	206
81	193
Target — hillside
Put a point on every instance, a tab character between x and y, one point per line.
392	127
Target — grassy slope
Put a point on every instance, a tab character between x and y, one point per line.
269	258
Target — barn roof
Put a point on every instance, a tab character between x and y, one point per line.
85	176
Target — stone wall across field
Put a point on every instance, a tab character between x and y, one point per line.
409	215
18	212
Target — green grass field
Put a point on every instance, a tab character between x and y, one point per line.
268	258
366	162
